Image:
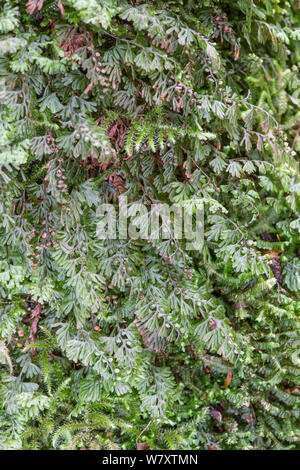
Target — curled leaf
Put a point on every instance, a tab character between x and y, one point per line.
228	379
61	7
142	446
216	414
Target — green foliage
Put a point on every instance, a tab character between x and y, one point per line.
171	102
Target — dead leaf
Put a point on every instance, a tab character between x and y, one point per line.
61	7
216	414
212	447
88	88
35	315
228	379
142	446
31	6
236	53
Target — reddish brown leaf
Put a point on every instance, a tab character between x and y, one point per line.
88	88
35	316
61	7
73	42
216	414
31	5
276	269
236	53
228	379
142	446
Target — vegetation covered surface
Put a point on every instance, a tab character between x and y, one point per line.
174	102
